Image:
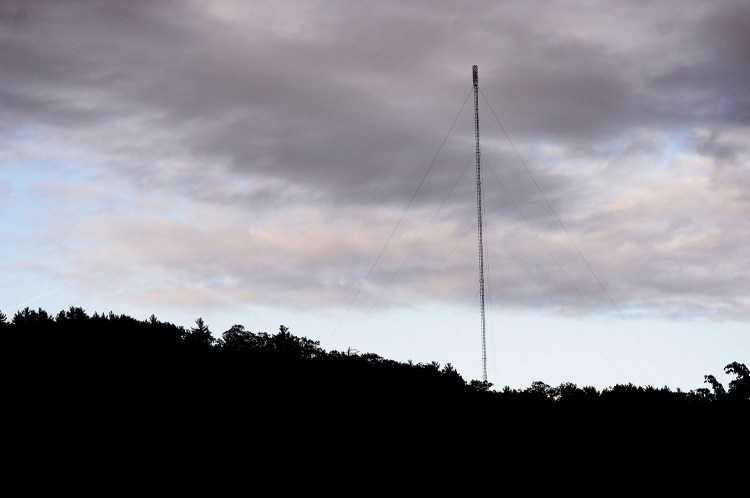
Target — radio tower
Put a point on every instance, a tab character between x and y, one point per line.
479	219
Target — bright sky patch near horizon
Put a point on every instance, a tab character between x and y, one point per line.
247	162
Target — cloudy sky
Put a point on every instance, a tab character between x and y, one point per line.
311	164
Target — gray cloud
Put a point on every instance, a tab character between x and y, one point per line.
314	122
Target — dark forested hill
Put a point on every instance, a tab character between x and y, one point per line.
129	376
109	399
111	351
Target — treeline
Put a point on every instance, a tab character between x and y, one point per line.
117	352
120	389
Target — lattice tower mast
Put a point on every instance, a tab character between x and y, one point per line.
480	236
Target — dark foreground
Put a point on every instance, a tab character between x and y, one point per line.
109	387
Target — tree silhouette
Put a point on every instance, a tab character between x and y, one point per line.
739	388
199	337
718	389
238	340
112	360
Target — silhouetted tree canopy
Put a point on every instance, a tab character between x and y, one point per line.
121	360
